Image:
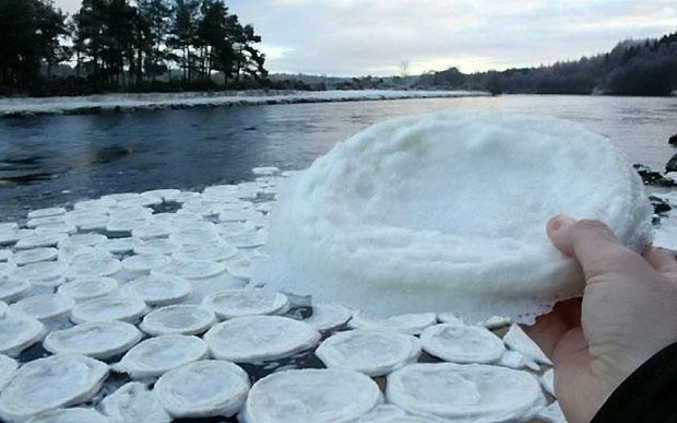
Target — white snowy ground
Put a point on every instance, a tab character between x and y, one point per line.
155	101
154	285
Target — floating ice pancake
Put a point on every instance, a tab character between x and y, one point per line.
203	389
99	340
44	307
144	263
155	246
5	255
36	240
411	323
311	395
328	316
517	340
194	237
45	221
123	308
447	212
18	332
462	344
155	356
48	212
259	338
147	231
70	415
210	252
180	319
191	269
43	273
120	245
134	403
98	262
465	393
12	288
3	308
88	287
8	367
388	413
372	352
49	383
158	291
34	255
245	302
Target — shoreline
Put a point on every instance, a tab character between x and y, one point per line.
129	103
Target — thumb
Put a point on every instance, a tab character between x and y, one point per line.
593	245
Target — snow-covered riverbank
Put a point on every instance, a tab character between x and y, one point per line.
17	107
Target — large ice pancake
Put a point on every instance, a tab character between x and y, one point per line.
447	212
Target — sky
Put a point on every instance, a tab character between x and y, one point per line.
378	37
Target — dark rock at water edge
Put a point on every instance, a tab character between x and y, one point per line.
651	177
671	165
673	140
660	205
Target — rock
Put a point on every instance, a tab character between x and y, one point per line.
659	205
671	165
673	140
650	177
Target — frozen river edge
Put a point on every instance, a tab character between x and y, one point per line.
127	103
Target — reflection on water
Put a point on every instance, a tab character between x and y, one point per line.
52	160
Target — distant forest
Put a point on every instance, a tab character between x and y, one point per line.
119	45
198	45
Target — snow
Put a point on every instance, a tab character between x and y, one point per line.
154	101
451	206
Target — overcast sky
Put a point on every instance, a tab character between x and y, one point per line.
374	37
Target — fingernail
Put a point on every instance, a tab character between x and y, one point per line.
559	222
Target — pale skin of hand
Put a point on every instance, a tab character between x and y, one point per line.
627	314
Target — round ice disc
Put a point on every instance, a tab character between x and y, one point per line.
127	309
465	393
87	288
368	351
245	302
49	383
134	403
41	271
44	306
411	323
34	255
260	338
203	389
45	221
96	263
47	212
3	308
194	237
155	246
311	395
8	367
462	344
159	290
70	415
144	263
36	240
388	413
155	356
147	231
120	245
5	255
97	340
18	332
328	316
191	269
209	252
12	288
179	319
394	210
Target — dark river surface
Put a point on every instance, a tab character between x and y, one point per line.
50	161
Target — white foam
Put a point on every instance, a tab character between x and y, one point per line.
99	340
372	352
254	339
311	395
134	403
447	212
49	383
203	389
465	393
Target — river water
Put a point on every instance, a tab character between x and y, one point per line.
47	161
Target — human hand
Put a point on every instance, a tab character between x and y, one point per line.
627	314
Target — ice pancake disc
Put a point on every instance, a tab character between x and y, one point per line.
179	319
155	356
99	340
462	344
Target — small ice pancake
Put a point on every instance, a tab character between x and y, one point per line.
179	319
12	288
155	356
99	340
203	389
70	415
18	332
411	323
191	269
37	240
372	352
134	403
47	212
34	255
388	413
41	271
245	302
87	288
211	252
127	309
48	383
328	316
44	306
159	290
465	393
155	246
8	367
517	340
311	395
447	211
98	262
462	344
254	339
144	263
3	308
